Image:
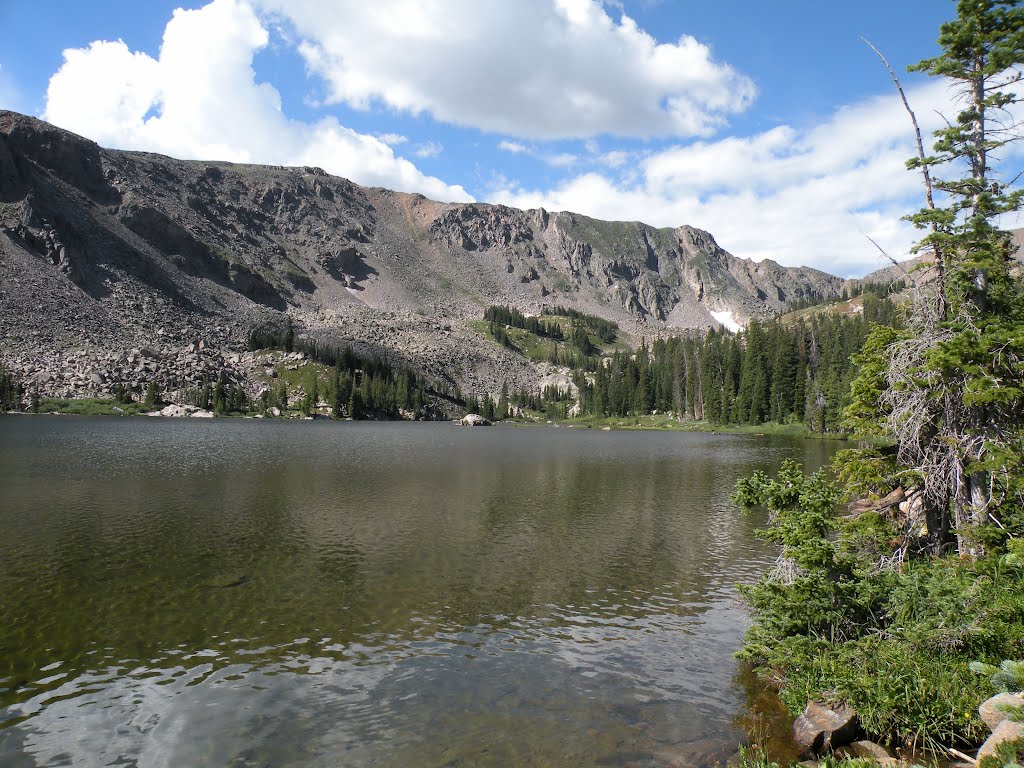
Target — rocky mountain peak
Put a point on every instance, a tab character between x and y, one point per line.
130	249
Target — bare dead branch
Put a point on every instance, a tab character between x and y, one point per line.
925	174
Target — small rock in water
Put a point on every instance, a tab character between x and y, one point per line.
227	581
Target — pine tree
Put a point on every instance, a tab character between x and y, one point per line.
953	398
502	412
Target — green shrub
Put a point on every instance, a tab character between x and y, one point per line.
894	642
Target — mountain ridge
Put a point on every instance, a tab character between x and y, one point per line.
109	250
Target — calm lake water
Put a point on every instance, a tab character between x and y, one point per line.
261	593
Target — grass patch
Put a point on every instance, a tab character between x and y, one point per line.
668	422
539	349
90	406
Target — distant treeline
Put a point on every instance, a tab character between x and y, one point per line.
878	290
361	387
12	391
605	330
579	350
514	318
768	372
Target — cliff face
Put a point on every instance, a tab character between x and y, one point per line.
104	251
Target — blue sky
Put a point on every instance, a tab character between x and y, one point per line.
770	124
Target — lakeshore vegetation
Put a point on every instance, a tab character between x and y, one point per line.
890	609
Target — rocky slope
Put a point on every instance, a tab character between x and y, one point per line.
133	267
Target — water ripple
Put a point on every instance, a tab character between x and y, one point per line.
243	593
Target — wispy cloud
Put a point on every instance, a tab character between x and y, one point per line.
392	139
796	195
513	146
428	149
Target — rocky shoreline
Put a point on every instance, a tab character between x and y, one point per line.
823	731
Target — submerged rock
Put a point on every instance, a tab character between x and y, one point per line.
226	581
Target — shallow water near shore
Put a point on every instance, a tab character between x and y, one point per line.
263	593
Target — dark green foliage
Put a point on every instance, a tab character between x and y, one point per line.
12	391
897	635
502	316
767	372
580	339
273	336
122	395
151	398
813	594
606	330
895	643
869	289
360	387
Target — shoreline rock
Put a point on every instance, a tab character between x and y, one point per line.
821	729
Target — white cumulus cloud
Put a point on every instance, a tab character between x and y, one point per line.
540	69
428	149
800	196
200	99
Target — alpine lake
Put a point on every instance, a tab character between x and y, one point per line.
231	592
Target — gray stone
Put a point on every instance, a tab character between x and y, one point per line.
821	729
992	710
175	411
474	420
867	750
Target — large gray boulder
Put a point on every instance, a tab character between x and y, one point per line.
821	729
474	420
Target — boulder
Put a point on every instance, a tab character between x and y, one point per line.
867	750
1008	732
821	729
175	411
993	711
474	420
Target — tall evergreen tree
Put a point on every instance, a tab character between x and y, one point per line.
954	396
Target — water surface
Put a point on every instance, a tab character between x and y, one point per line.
261	593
